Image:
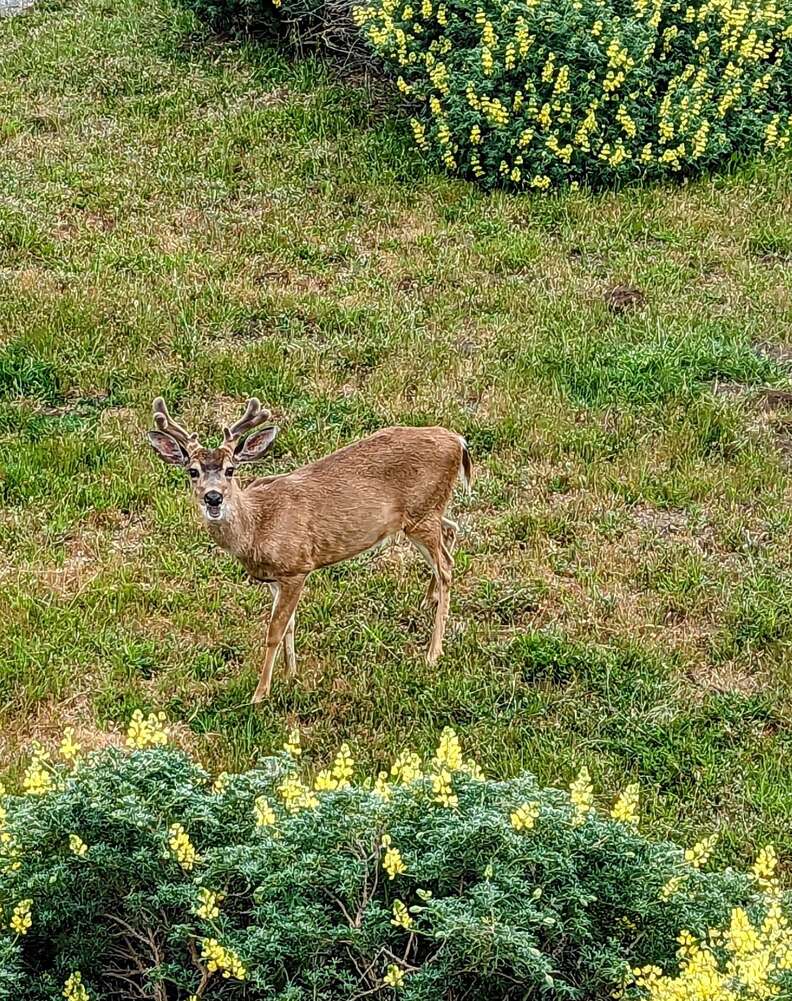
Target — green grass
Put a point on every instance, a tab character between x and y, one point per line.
205	221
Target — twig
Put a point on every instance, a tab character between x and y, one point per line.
205	974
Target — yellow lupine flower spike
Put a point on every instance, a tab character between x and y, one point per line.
625	809
146	731
581	792
69	748
21	919
74	989
524	817
699	854
182	848
77	845
292	745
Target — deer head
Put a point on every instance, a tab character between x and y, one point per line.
211	470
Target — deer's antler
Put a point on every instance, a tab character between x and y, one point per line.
166	423
253	417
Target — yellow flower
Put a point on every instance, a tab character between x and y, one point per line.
21	920
343	766
406	768
218	958
221	783
699	854
381	787
626	122
182	848
37	780
69	748
394	977
146	731
581	792
671	887
338	777
392	861
449	752
625	809
263	812
292	745
443	789
545	117
401	917
596	29
524	817
296	796
562	81
207	907
764	869
742	937
419	133
74	989
473	769
77	845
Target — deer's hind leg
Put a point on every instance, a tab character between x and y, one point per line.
449	529
428	539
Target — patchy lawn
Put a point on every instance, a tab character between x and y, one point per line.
191	218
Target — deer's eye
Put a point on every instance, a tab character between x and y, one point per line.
229	472
193	473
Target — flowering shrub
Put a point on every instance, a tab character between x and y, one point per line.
532	94
132	872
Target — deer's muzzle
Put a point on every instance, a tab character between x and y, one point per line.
213	500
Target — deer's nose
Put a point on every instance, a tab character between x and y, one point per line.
213	498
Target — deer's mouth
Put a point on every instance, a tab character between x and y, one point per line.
213	505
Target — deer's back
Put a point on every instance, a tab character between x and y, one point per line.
350	500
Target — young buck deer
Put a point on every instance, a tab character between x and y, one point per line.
281	528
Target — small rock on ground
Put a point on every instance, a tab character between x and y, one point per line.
8	7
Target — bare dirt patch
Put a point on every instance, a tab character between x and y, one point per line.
662	522
102	541
726	678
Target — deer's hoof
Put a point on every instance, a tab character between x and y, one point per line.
259	695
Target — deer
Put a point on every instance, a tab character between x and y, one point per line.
396	483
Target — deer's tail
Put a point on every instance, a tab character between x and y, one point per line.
466	466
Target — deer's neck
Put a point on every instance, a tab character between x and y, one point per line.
235	531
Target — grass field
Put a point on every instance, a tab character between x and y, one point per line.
191	218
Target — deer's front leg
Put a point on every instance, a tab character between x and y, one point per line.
288	639
288	594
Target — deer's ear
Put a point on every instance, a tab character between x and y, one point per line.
252	448
167	448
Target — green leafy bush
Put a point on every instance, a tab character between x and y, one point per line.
131	873
327	26
239	17
531	94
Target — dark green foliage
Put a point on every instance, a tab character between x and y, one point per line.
562	910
